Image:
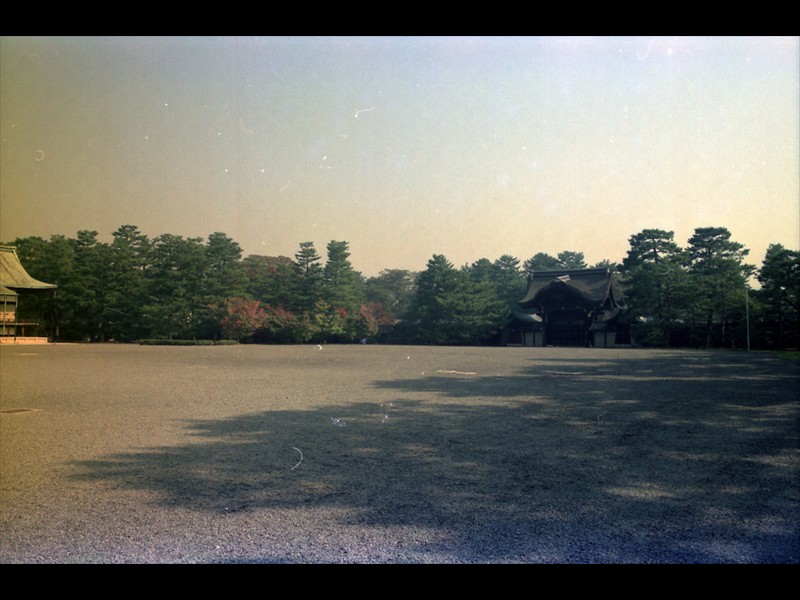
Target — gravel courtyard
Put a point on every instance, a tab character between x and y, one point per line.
397	454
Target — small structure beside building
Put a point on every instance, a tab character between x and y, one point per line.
576	307
14	281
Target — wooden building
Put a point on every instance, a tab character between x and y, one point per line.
577	307
14	282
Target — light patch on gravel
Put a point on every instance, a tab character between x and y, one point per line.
642	491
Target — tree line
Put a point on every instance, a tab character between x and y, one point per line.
171	287
699	295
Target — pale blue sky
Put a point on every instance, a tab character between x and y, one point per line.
403	147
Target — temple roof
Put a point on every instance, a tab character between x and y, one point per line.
14	277
594	286
526	317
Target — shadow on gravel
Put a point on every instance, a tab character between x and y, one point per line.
692	457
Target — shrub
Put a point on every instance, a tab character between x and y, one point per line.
151	342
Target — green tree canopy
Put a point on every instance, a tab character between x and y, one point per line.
567	259
270	279
91	274
656	284
541	261
509	280
178	287
343	286
309	278
719	277
393	289
126	286
450	307
223	276
651	246
427	315
571	260
779	297
175	305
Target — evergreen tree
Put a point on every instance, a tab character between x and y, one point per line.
480	270
779	298
223	274
126	286
449	307
270	279
571	260
656	285
509	280
175	306
650	246
426	317
88	286
606	264
33	255
223	279
541	261
59	268
309	279
719	276
479	304
343	286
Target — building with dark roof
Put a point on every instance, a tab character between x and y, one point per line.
15	280
576	307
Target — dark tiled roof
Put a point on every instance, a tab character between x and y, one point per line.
595	286
526	317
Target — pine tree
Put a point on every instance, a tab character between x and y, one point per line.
175	306
719	275
509	280
779	297
571	260
541	261
343	286
656	285
126	286
308	280
449	307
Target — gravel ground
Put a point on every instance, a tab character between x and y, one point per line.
392	454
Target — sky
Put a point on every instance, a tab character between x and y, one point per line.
404	147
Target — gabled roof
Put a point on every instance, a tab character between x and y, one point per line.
13	275
594	286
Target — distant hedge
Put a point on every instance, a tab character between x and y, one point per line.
188	342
